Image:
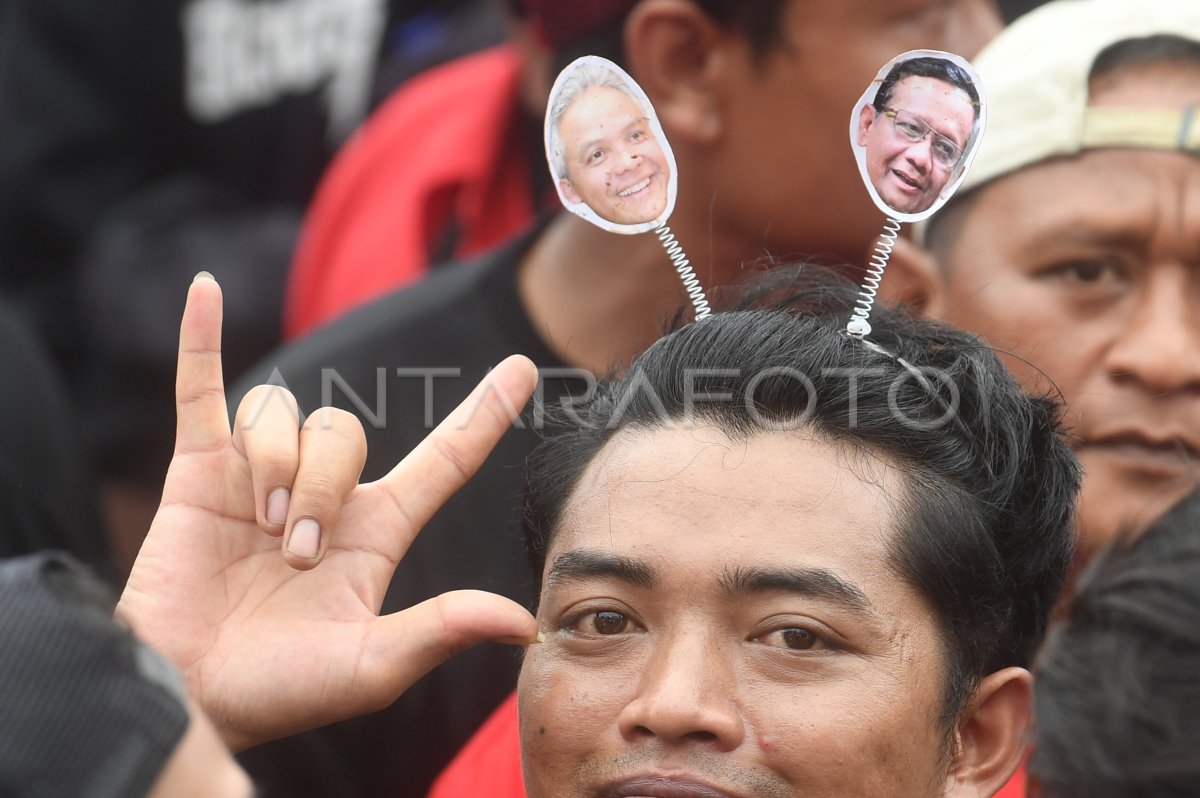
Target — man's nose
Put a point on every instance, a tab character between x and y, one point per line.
686	694
920	155
627	159
1158	344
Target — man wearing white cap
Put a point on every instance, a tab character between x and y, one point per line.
1074	245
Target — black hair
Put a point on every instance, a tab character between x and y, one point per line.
1156	49
985	530
761	21
1117	687
926	67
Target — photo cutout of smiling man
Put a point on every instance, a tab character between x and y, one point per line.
913	139
611	163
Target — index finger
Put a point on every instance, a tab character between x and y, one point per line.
202	421
451	454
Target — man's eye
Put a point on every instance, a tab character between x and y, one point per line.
944	152
795	638
909	130
1087	271
603	623
610	623
596	156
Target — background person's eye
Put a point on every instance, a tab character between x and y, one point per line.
1088	271
1089	279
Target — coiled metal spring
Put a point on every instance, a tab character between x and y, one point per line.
682	265
859	324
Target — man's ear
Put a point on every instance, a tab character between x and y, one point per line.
674	50
866	118
914	279
992	736
568	191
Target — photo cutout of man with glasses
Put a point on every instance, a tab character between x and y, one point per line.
913	137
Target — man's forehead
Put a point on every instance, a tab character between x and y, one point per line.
600	102
591	119
921	88
662	492
946	108
1168	84
1116	202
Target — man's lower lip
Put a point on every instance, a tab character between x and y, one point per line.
904	185
663	788
1155	460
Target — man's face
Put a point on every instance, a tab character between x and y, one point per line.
1088	270
913	146
721	615
788	181
614	162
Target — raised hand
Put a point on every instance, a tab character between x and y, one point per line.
264	569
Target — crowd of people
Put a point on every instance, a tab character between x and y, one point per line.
464	502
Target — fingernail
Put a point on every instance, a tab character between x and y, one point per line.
541	638
203	276
305	541
277	506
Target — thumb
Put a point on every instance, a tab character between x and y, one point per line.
406	645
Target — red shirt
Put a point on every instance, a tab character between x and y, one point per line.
490	764
445	152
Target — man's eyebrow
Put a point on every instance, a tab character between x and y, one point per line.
585	564
586	148
1069	230
817	583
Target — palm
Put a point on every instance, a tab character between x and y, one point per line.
269	649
